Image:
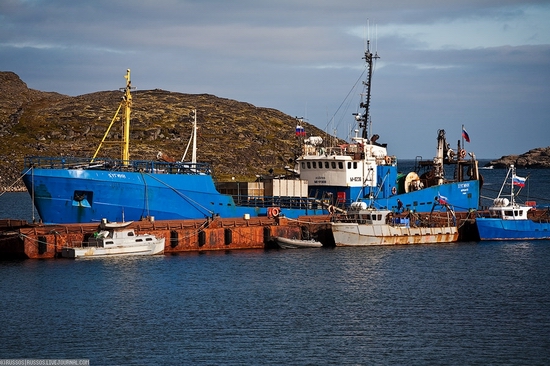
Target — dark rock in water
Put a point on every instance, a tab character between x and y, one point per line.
538	158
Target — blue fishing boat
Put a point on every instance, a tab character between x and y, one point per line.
83	190
363	170
509	220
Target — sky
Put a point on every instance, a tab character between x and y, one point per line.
484	64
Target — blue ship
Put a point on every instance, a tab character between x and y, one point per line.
508	220
362	170
83	190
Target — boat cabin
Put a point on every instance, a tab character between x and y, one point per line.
117	237
510	213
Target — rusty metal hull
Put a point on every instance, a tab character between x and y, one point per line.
48	241
354	234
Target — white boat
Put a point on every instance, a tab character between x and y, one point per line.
508	220
115	239
286	243
366	226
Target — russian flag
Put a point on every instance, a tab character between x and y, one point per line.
465	135
518	181
442	200
300	131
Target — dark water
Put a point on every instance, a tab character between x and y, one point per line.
458	304
444	304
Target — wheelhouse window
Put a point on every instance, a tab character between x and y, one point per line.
340	165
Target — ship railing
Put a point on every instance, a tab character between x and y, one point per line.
146	166
321	150
85	244
277	201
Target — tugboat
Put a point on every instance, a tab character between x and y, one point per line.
364	170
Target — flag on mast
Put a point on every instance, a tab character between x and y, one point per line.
442	200
518	181
465	135
300	131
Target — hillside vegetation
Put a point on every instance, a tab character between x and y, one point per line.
237	138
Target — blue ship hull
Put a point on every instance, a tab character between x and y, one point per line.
462	196
499	229
88	195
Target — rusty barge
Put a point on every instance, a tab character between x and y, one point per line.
20	239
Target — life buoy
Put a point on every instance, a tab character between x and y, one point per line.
275	211
393	190
331	209
462	153
388	160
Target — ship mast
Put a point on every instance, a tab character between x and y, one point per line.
126	102
364	119
194	152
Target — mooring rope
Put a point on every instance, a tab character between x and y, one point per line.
17	180
196	204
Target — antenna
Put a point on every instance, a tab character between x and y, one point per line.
368	28
376	39
365	36
368	32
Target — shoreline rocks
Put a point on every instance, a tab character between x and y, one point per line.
538	158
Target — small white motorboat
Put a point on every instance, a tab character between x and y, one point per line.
115	239
286	243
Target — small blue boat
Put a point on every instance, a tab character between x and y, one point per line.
508	220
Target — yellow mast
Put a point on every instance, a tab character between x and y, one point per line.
125	149
127	104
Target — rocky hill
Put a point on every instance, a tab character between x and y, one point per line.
239	139
538	158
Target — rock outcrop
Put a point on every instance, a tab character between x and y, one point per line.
538	158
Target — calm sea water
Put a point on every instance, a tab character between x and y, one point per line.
458	304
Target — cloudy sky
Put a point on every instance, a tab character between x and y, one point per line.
484	64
